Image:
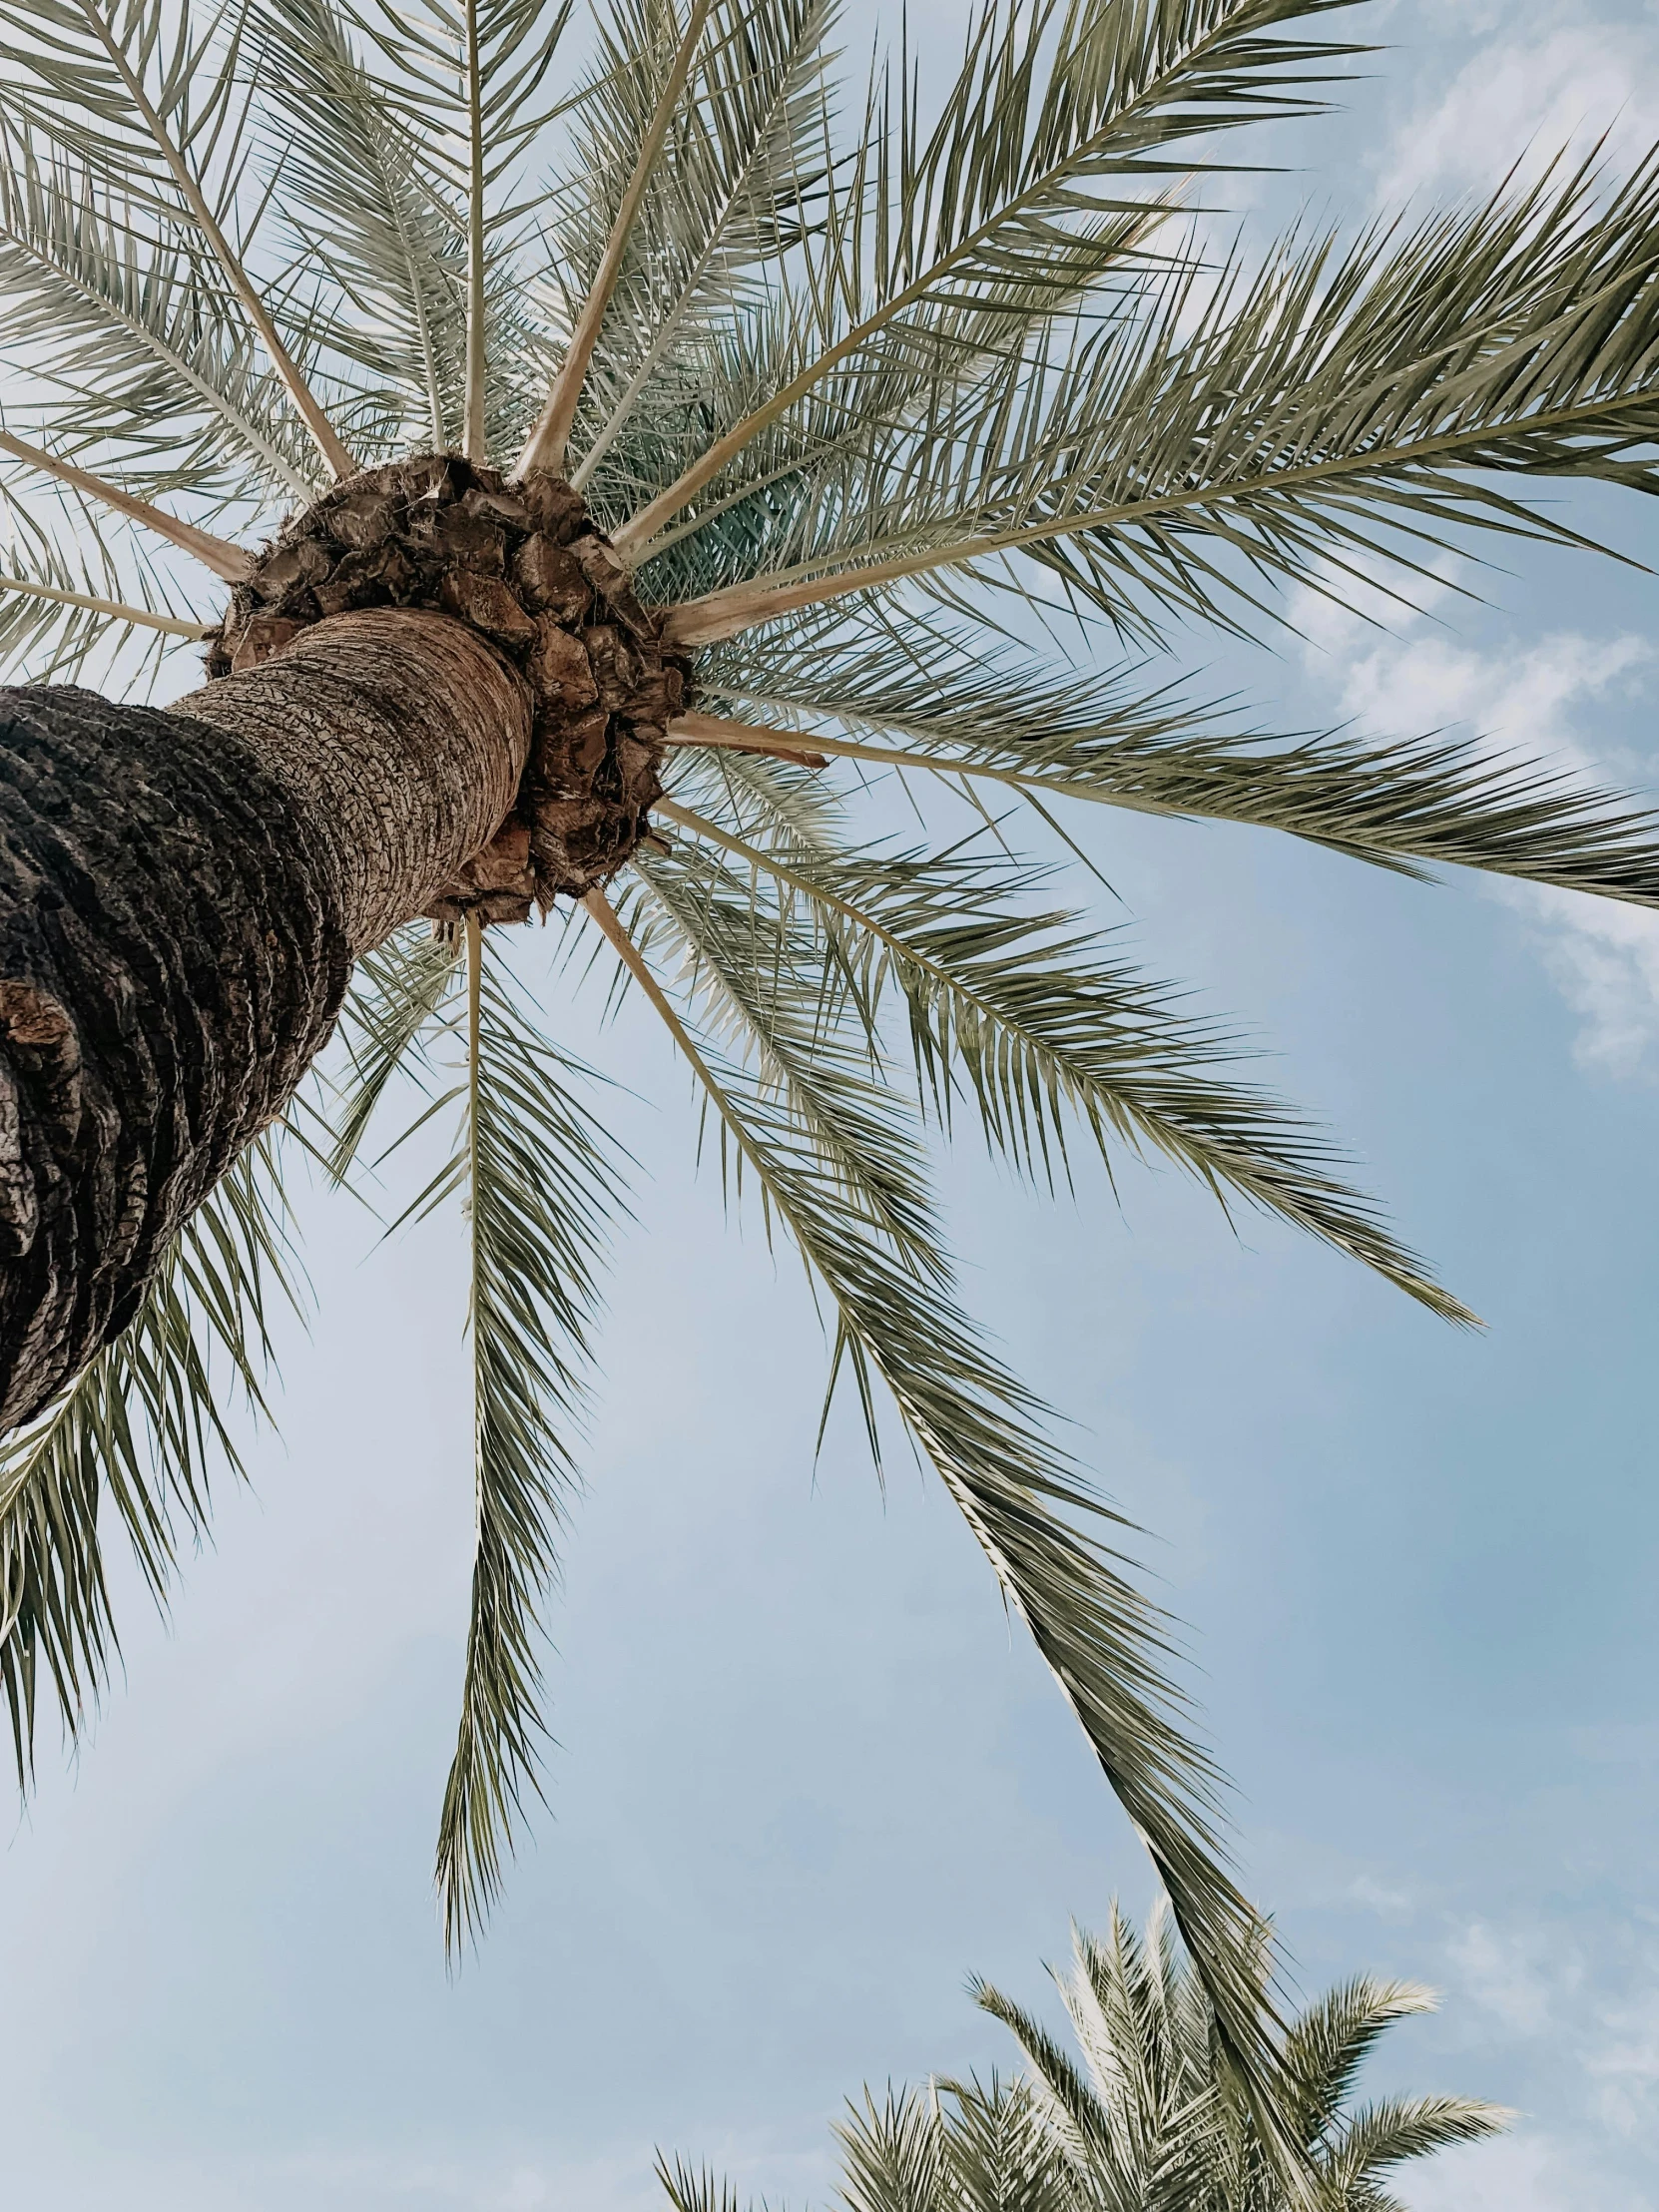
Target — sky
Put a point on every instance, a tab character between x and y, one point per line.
805	1778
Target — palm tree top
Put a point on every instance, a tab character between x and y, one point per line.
1143	2118
840	390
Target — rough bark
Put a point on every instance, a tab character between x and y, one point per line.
181	895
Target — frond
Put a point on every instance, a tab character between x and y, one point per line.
124	341
1332	410
397	991
547	443
539	1174
981	1431
1156	2127
735	190
1001	2158
1382	2137
357	187
66	606
422	50
1017	192
964	707
146	101
1022	1011
893	2155
1330	2042
1079	2124
688	2191
137	1431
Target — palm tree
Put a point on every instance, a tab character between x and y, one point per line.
578	533
1149	2121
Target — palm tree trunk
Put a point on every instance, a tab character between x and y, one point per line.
182	892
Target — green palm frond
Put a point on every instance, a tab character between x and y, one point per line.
122	342
1014	200
148	102
72	593
892	2155
690	2191
397	992
1021	1010
439	68
358	187
1330	411
136	1432
1147	2121
898	1322
1382	2136
962	706
540	1178
1333	2038
123	80
735	192
999	2152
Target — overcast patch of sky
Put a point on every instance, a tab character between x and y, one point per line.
805	1778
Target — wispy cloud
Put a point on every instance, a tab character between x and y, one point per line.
1536	80
1543	700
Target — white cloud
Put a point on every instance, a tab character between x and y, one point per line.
1526	2172
1626	2068
1582	2012
1518	1976
1602	956
1538	80
1387	1903
1604	960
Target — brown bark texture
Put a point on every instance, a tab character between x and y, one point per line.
181	895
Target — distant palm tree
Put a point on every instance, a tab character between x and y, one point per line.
1149	2121
577	535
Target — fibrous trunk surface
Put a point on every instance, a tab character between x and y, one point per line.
182	895
172	951
522	565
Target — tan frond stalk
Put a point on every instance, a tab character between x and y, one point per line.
743	736
140	616
629	953
322	430
218	555
545	447
473	418
725	614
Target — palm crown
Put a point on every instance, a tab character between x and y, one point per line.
846	390
1148	2121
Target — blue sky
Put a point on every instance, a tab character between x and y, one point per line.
804	1778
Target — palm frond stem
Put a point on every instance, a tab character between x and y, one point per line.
634	540
1050	1575
629	953
545	447
1092	40
740	737
698	729
227	561
144	618
473	442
